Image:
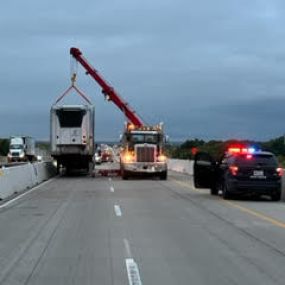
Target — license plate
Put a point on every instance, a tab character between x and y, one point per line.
258	173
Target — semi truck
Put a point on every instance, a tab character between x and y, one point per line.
21	149
72	136
144	156
143	151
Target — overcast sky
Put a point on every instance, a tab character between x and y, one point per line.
207	69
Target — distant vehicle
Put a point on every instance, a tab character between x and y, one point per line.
106	153
240	171
98	158
22	148
72	136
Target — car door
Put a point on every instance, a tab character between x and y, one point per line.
204	170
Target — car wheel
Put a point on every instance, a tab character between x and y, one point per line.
276	196
226	193
214	191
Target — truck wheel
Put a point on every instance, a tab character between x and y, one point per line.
276	196
58	169
163	175
124	175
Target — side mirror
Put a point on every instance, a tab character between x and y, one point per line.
120	137
166	139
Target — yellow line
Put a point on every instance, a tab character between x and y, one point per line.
241	208
257	214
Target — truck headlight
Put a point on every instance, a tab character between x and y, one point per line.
128	158
162	158
22	155
9	155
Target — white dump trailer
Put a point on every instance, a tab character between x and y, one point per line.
72	136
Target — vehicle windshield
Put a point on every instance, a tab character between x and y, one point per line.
144	138
16	146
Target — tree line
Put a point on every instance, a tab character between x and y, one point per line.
4	147
216	148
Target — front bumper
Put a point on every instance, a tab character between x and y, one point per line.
253	186
145	167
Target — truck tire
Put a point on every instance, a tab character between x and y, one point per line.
58	169
124	174
163	175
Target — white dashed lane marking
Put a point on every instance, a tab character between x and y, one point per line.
133	272
127	248
117	210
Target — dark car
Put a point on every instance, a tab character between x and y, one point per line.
239	172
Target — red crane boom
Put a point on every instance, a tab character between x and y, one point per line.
107	89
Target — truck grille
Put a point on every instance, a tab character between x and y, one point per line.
15	154
145	154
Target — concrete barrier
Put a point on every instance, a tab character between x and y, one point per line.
181	165
3	159
19	178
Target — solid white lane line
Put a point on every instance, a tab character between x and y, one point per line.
25	193
127	248
110	179
133	272
118	211
112	189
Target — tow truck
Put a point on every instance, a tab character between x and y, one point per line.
142	150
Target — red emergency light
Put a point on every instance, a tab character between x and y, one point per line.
242	150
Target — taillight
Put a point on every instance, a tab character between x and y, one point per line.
233	170
280	171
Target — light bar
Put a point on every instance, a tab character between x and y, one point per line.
241	150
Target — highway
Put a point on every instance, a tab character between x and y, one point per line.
80	230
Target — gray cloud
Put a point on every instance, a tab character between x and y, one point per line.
183	62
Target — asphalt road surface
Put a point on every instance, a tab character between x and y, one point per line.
79	230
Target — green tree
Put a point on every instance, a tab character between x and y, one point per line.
4	147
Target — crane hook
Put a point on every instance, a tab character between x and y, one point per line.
73	79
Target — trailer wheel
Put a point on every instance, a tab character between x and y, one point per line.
58	169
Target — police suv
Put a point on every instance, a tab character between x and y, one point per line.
240	171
